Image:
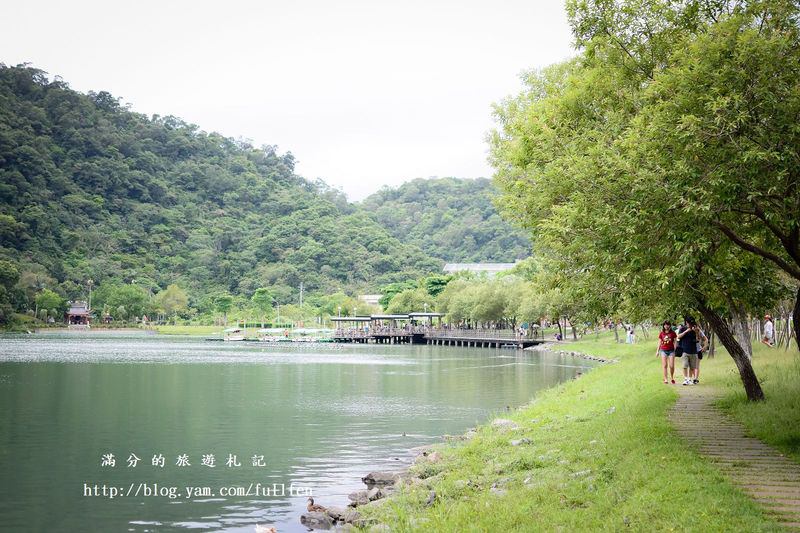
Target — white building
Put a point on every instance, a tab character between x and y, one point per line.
371	299
491	269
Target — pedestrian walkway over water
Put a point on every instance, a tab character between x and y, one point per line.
478	338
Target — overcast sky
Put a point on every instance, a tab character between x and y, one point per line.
363	93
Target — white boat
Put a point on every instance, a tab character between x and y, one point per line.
233	334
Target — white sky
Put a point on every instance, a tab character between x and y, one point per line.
363	93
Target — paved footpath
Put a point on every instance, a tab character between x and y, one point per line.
761	471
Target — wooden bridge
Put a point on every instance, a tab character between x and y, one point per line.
479	338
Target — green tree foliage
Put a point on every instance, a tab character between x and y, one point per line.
501	302
724	115
171	301
32	279
411	300
224	303
9	276
436	284
586	158
333	304
131	298
91	190
48	300
262	300
388	292
452	219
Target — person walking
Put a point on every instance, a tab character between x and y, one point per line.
666	349
702	347
769	331
687	340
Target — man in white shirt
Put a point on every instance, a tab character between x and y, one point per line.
769	332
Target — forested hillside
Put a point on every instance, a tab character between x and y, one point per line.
91	190
452	219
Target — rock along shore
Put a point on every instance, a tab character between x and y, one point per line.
555	347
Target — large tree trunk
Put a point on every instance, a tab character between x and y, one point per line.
741	329
712	348
616	332
571	325
751	385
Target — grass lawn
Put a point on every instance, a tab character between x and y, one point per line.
189	330
601	456
776	420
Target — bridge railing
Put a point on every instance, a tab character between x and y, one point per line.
351	334
478	334
393	332
379	332
486	334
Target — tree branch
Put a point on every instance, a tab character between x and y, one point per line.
757	211
792	270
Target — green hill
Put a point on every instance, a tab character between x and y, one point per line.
92	190
452	219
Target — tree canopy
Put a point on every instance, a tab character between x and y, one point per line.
655	178
452	219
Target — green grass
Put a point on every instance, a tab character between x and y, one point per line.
602	456
604	345
776	420
189	330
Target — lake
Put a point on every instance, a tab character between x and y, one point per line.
301	417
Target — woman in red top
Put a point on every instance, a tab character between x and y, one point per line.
666	349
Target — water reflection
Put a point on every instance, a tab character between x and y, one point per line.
321	415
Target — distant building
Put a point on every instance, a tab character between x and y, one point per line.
78	314
491	269
371	299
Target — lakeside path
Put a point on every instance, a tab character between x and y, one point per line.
761	471
601	453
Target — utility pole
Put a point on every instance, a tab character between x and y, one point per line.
89	303
301	294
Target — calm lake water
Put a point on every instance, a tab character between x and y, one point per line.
321	415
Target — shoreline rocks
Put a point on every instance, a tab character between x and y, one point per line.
504	423
379	486
382	484
380	479
316	520
552	347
